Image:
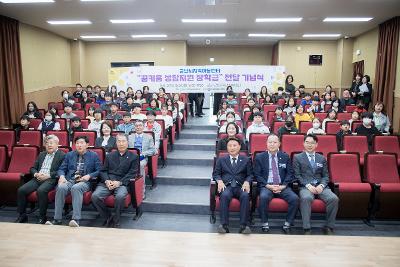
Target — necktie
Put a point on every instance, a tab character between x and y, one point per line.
312	156
234	164
275	174
79	168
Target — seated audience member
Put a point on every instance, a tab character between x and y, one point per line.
137	113
269	100
355	116
24	122
84	99
181	105
301	116
96	123
70	101
229	109
120	100
78	168
113	91
315	94
316	127
89	90
44	179
162	93
360	107
288	128
74	126
310	169
302	90
97	92
90	115
145	144
139	99
307	100
49	123
152	126
106	140
119	168
326	100
280	94
278	116
346	99
68	114
114	115
297	94
32	111
336	106
230	117
289	86
250	104
231	99
381	121
247	94
344	130
333	96
154	105
127	126
129	92
78	91
257	126
128	105
65	96
231	130
53	109
263	92
367	128
174	110
168	120
233	174
331	116
273	172
106	105
315	107
290	108
328	89
222	110
256	109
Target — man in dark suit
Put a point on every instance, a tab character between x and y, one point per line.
311	170
273	171
79	166
234	176
44	173
119	168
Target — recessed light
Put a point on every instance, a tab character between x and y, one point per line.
149	36
203	20
272	35
279	19
68	22
98	36
347	19
100	0
207	34
25	1
121	21
321	35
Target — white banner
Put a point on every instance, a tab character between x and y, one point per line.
193	79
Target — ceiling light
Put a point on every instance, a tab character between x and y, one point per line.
25	1
116	21
320	35
203	20
207	35
149	36
267	35
68	22
347	19
98	36
279	19
99	0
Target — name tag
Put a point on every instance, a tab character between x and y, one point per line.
282	165
319	165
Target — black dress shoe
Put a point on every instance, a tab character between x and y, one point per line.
307	231
22	219
328	231
42	220
199	116
54	222
286	229
244	229
223	229
202	114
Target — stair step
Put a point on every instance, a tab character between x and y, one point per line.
198	134
177	199
201	127
195	144
191	157
185	175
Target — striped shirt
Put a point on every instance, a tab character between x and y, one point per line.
46	165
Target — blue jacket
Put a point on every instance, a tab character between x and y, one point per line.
261	168
69	165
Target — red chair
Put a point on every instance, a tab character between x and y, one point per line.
34	138
267	108
152	164
34	123
357	144
350	108
281	102
355	125
332	127
42	111
276	125
7	138
327	107
224	135
3	158
320	115
100	152
65	149
22	159
292	143
80	114
63	123
90	134
257	142
135	191
305	126
344	172
88	105
343	116
381	171
77	106
163	141
326	144
387	144
57	105
63	136
85	123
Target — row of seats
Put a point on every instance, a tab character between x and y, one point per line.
375	194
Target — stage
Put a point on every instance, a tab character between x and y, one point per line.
41	245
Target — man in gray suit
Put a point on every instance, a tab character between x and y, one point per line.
311	170
144	143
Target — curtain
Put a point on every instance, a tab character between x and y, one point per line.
358	67
386	61
12	103
275	51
